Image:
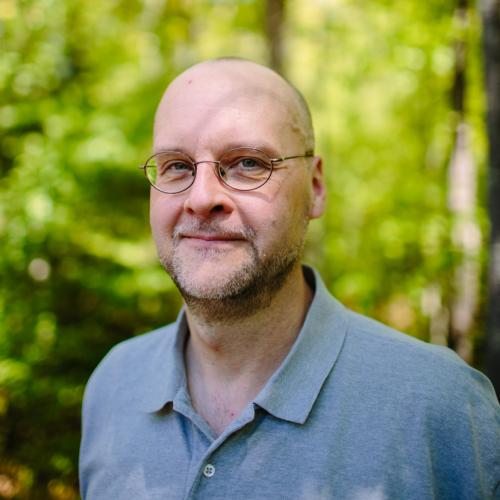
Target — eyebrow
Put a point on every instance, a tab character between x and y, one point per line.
263	146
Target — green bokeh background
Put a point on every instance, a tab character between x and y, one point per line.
79	82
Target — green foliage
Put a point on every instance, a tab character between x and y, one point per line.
79	84
378	77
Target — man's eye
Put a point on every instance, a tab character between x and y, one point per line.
175	167
249	163
179	166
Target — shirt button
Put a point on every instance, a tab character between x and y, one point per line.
209	470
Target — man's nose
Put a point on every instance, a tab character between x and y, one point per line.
208	195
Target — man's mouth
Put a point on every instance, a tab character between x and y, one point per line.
212	237
213	241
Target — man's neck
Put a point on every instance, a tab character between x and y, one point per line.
228	363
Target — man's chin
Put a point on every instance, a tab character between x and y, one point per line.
222	298
212	283
217	276
233	288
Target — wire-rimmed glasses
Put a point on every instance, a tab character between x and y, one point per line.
243	169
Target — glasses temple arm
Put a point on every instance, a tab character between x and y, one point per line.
308	154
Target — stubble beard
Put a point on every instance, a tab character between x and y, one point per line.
246	290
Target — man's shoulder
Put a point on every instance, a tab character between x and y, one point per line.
373	334
127	366
373	348
405	361
140	348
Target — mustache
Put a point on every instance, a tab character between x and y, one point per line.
209	228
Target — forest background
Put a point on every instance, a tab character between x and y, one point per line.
397	93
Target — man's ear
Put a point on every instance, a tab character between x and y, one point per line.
318	189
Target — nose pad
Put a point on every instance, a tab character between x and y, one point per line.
220	172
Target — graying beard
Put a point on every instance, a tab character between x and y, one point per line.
245	293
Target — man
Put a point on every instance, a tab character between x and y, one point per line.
266	387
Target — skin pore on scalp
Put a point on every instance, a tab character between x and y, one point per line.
252	285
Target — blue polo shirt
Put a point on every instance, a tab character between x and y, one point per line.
356	411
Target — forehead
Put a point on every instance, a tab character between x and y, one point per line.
226	108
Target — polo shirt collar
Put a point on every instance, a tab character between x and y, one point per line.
292	390
165	375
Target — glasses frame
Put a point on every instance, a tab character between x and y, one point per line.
217	166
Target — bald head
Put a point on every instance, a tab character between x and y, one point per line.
231	82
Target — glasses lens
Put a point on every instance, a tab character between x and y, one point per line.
170	172
245	168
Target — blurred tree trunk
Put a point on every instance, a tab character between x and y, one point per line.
491	47
466	237
275	13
